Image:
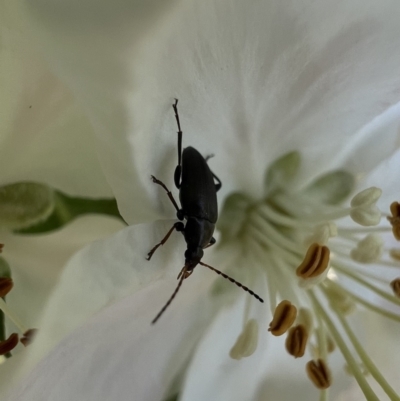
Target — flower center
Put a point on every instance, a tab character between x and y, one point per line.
317	255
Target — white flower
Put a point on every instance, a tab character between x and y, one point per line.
256	81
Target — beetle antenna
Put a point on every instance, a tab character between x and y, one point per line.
181	277
233	281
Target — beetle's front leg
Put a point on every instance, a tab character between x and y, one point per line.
169	193
179	226
211	243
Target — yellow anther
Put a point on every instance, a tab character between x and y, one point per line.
296	341
395	284
315	262
319	374
284	316
394	220
6	285
247	341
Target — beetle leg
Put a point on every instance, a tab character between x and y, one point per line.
177	175
169	193
177	226
218	185
211	243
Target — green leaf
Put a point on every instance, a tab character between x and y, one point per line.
67	208
24	204
281	172
331	188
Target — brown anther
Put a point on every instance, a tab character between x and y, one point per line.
284	316
28	337
6	285
9	344
394	220
319	374
395	284
315	262
296	341
1	248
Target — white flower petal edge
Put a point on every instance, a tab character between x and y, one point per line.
45	136
84	365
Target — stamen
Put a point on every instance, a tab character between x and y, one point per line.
319	374
6	285
315	262
7	312
394	220
9	344
322	233
395	254
284	317
395	284
304	317
363	207
28	337
368	250
247	341
296	341
338	299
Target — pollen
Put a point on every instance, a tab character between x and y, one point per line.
284	317
315	262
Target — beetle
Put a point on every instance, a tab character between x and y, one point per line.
199	207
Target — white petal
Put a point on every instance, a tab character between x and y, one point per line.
45	136
212	374
37	261
253	83
101	273
118	354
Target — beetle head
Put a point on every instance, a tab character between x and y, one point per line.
193	257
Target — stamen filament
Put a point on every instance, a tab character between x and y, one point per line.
369	305
367	284
6	310
270	232
362	382
368	363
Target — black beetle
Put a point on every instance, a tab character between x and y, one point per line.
198	197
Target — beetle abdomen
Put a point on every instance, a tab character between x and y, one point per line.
197	194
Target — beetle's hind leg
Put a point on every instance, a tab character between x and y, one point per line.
177	226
